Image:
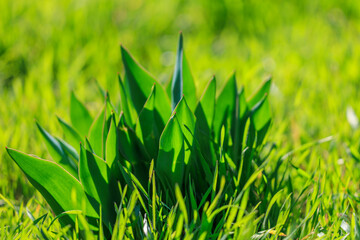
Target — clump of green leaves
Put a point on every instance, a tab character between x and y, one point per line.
175	160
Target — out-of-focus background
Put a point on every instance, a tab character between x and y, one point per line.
50	48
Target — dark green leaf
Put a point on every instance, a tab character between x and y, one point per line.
204	119
94	176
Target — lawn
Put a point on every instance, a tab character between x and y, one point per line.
48	50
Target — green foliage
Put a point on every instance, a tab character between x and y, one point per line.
213	143
309	47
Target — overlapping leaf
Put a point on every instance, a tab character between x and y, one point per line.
139	83
80	116
170	161
182	82
62	191
58	152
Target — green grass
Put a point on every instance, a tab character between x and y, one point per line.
310	49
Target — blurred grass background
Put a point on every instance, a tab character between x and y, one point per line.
50	48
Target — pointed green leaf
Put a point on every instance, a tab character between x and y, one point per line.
125	104
207	102
242	104
238	125
260	93
61	190
96	133
133	151
57	152
261	113
80	116
139	83
71	135
99	129
187	123
69	150
150	125
125	148
182	81
204	120
93	173
170	161
272	202
94	176
225	105
189	90
111	148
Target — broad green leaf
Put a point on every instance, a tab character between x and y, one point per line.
126	148
170	161
133	151
189	90
71	135
111	146
139	83
260	93
94	176
150	125
80	116
225	105
182	81
57	152
99	129
96	133
242	104
61	190
69	150
207	102
187	123
125	104
261	114
93	173
88	145
204	120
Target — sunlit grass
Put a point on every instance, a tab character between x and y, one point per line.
310	49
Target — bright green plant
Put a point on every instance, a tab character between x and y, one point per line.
205	149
